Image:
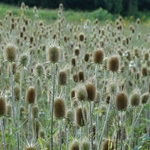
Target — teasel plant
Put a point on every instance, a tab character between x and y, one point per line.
10	55
53	58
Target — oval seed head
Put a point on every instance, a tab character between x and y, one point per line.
73	61
30	148
91	91
144	70
59	108
24	60
17	92
62	78
77	51
98	56
86	57
144	98
35	111
53	54
70	116
113	63
30	95
81	76
10	52
39	69
74	145
112	88
108	145
81	37
72	94
121	101
81	93
85	145
79	117
2	107
135	99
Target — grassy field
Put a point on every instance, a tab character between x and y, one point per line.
73	80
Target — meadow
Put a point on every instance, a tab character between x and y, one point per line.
73	80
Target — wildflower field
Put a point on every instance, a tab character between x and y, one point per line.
74	86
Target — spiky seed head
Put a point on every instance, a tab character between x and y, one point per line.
121	101
112	87
75	78
135	99
53	54
30	95
72	94
30	148
144	70
77	51
81	93
17	92
62	77
107	99
2	106
73	61
81	76
81	114
98	56
74	145
8	110
145	97
85	145
24	60
86	57
81	37
59	108
70	116
10	52
91	91
35	111
39	69
113	63
108	145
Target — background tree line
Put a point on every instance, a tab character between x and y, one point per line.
123	7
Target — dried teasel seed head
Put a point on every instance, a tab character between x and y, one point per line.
77	51
17	93
81	93
85	145
108	145
75	78
59	108
144	70
2	107
10	52
72	94
39	69
8	110
86	57
81	116
70	116
30	95
81	76
145	97
91	91
81	37
113	63
62	77
98	56
121	101
74	145
35	111
73	61
24	60
53	54
112	87
135	99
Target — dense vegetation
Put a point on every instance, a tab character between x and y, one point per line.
123	7
73	85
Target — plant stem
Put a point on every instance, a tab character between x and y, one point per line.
3	133
29	120
91	126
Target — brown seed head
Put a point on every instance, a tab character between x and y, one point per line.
91	91
73	61
98	56
17	92
145	97
113	63
35	111
39	69
53	54
70	116
135	99
81	37
59	108
10	52
62	78
30	95
85	145
86	57
144	70
74	145
108	145
8	110
81	76
24	60
121	101
81	93
79	116
77	51
2	107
